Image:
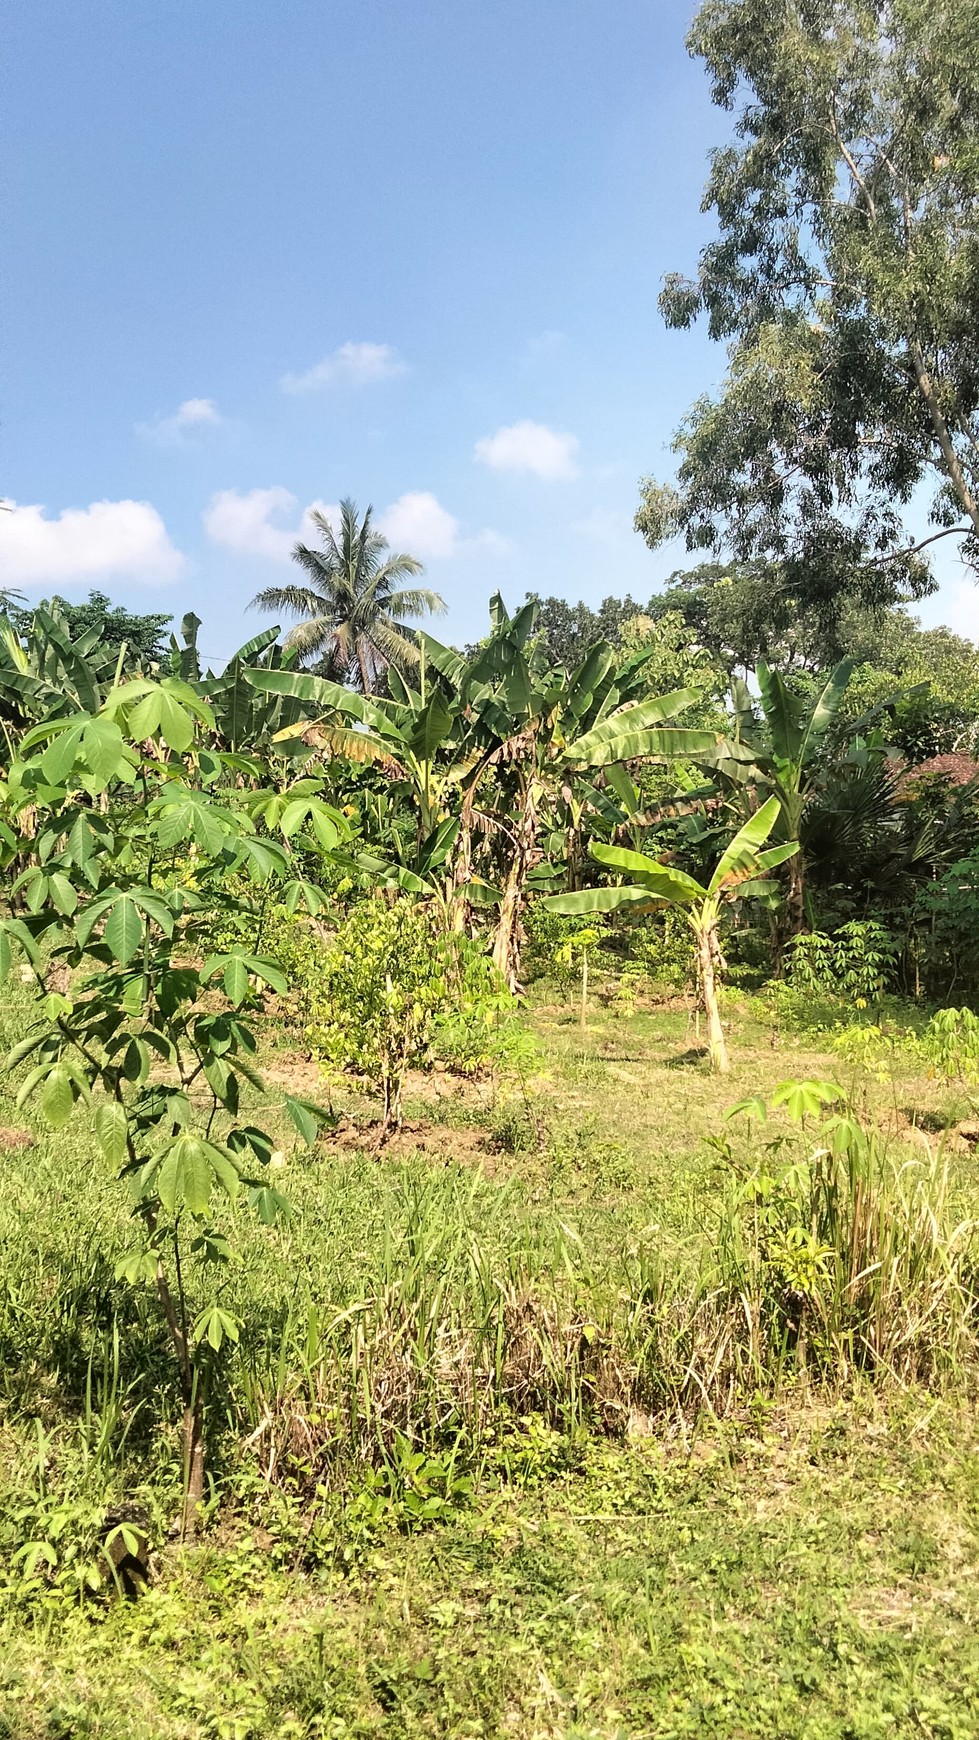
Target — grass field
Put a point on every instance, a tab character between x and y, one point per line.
463	1485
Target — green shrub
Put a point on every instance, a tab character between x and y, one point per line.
949	908
389	984
856	962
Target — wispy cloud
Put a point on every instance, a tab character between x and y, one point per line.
108	538
545	346
246	522
351	365
194	417
530	447
609	526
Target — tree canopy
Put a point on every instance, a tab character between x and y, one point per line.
141	634
354	607
845	277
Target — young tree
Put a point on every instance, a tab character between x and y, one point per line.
786	761
130	851
741	870
845	277
355	606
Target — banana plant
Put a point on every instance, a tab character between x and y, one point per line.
44	673
741	870
496	745
246	722
785	759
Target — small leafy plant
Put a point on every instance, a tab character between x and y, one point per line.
855	963
152	1038
389	976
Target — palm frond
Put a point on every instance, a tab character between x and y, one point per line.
415	601
300	600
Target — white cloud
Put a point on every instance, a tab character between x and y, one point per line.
124	538
525	446
244	521
351	365
266	523
418	523
193	417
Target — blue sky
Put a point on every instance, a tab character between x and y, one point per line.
263	256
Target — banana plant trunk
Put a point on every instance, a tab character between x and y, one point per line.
795	898
708	954
506	942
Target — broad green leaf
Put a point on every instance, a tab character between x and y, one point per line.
58	1097
62	895
269	972
581	687
111	1128
805	1099
596	900
185	1176
176	725
225	1171
662	880
102	746
58	760
827	706
742	853
124	929
4	955
268	1204
235	980
607	744
216	1326
321	696
144	718
306	1117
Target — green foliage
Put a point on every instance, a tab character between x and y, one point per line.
115	628
856	963
949	907
389	978
146	1027
951	1041
843	266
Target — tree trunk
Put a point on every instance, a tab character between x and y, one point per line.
192	1428
953	464
461	873
795	898
362	663
506	943
192	1437
708	950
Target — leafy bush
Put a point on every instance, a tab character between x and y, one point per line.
949	908
389	980
662	948
856	962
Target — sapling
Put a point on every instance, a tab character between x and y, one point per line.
741	870
152	1038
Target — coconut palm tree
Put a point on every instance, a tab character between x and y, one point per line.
354	607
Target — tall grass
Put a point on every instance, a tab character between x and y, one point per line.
434	1305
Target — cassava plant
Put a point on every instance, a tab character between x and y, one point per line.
130	847
741	870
